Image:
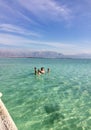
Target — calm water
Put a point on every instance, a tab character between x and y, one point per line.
60	100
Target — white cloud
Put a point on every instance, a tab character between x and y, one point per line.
47	9
9	39
15	29
12	12
21	42
6	39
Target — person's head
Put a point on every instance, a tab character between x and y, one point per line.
48	70
35	68
42	68
39	72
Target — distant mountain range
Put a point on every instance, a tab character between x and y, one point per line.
40	54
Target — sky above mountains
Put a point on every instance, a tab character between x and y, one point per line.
46	25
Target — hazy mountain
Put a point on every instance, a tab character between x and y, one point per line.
41	54
47	54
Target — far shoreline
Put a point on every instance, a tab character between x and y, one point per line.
11	57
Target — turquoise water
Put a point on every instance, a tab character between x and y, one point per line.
59	100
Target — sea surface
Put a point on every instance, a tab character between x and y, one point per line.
59	100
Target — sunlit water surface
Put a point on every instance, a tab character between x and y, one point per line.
59	100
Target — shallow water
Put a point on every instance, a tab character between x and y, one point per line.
59	100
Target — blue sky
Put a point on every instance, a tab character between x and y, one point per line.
46	25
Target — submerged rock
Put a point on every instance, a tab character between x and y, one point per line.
51	108
54	113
